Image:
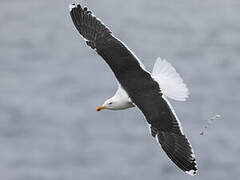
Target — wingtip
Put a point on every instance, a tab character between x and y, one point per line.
71	6
192	172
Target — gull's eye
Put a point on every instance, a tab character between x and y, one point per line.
110	103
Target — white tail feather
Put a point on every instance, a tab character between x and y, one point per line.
169	80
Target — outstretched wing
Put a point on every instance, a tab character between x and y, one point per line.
167	130
139	85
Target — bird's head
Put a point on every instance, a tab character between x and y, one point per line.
109	104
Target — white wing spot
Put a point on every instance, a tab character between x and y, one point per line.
71	6
192	172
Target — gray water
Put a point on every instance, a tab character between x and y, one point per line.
51	83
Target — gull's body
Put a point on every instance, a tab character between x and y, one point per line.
140	88
165	75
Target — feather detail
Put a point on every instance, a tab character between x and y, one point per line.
170	82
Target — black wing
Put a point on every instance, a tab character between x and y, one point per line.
138	83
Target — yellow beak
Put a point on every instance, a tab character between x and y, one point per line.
100	108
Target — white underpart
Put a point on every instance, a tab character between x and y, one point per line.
170	82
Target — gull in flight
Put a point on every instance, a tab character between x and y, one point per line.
140	88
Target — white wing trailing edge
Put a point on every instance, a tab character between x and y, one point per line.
169	80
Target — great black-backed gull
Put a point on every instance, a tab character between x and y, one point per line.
140	88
